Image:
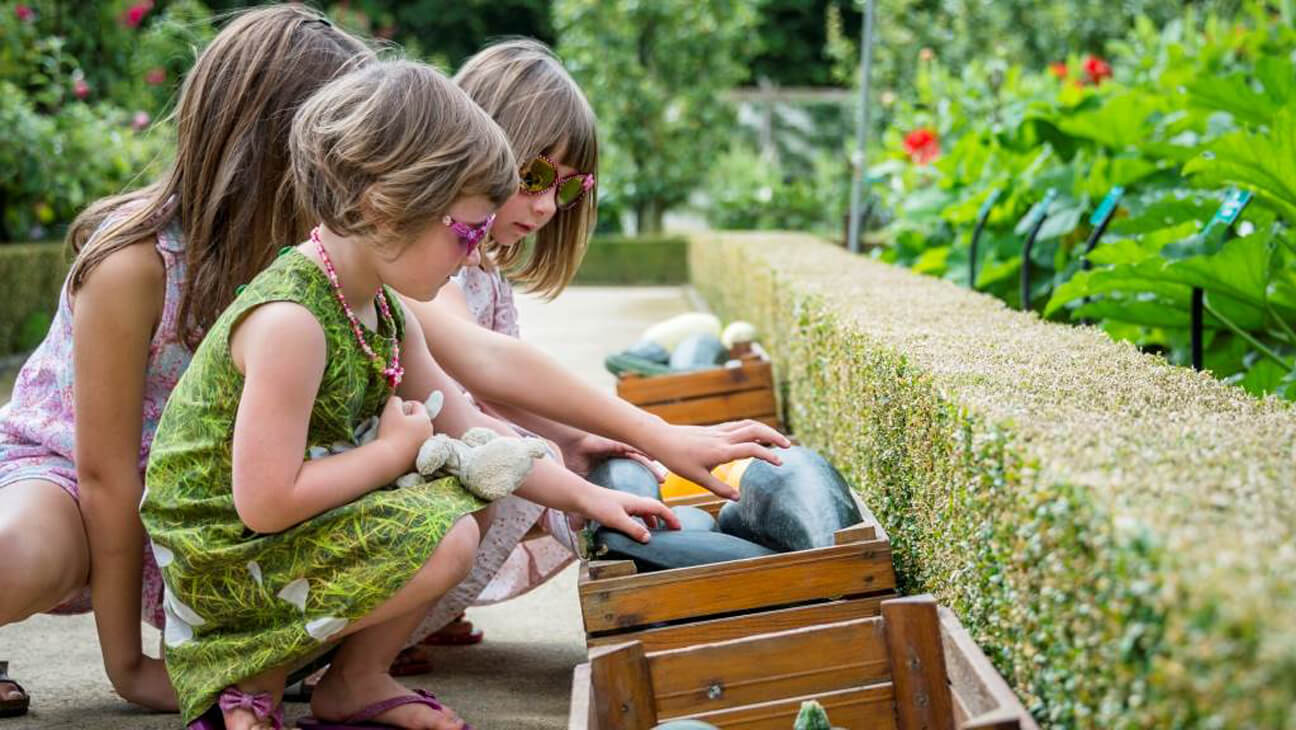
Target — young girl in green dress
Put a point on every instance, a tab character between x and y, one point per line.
268	557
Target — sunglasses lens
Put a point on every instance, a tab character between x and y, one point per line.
537	175
571	191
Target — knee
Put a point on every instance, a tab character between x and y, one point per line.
31	585
452	560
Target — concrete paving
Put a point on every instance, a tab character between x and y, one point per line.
519	678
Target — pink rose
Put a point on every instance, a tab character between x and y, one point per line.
156	76
141	121
24	13
80	88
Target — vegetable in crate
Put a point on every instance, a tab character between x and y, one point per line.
675	330
685	725
795	506
626	475
649	350
812	717
623	362
699	352
692	518
738	337
674	548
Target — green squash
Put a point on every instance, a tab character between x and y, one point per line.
795	506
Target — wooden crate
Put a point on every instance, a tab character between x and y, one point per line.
706	397
912	667
673	608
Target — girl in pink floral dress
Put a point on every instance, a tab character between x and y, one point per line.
153	270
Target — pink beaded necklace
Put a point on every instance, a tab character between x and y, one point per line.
393	372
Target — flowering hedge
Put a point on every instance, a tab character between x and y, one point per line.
1118	534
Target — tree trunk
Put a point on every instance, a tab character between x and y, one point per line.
648	217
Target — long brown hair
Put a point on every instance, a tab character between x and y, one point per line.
230	186
526	90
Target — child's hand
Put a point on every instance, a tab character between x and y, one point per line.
693	451
585	453
403	427
617	510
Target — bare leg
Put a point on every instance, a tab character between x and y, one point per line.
44	553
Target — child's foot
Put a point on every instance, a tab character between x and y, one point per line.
339	698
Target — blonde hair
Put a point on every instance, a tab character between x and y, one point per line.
229	185
383	151
526	90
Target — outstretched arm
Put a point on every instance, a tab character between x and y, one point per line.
548	483
503	369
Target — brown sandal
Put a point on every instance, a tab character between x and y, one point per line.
17	706
459	632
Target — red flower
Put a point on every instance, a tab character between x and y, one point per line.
24	13
80	88
922	145
1097	70
1059	69
156	76
135	15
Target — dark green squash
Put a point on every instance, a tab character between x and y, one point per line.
674	548
626	475
685	725
694	519
649	350
795	506
622	363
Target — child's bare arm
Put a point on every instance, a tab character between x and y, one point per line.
281	350
112	323
504	369
548	484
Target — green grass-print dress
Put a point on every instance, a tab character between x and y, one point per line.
238	603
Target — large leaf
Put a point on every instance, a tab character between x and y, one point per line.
1240	269
1145	312
1128	279
1264	163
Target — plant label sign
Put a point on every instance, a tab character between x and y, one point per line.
1107	206
1231	208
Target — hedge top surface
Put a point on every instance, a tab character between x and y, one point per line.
1211	469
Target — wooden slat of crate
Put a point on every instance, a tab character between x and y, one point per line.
854	569
787	664
748	624
649	390
857	708
755	404
982	699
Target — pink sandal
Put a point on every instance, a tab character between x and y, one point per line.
360	720
261	704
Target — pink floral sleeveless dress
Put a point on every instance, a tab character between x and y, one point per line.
38	424
506	566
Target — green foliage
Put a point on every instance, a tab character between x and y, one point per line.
746	191
1091	514
1200	104
638	260
655	73
30	278
67	144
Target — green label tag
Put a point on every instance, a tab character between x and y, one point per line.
988	204
1232	207
1107	206
1038	211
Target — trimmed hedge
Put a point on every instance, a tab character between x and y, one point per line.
634	260
31	275
1118	533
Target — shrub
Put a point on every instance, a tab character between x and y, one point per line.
1116	532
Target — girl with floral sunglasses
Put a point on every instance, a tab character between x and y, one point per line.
551	128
